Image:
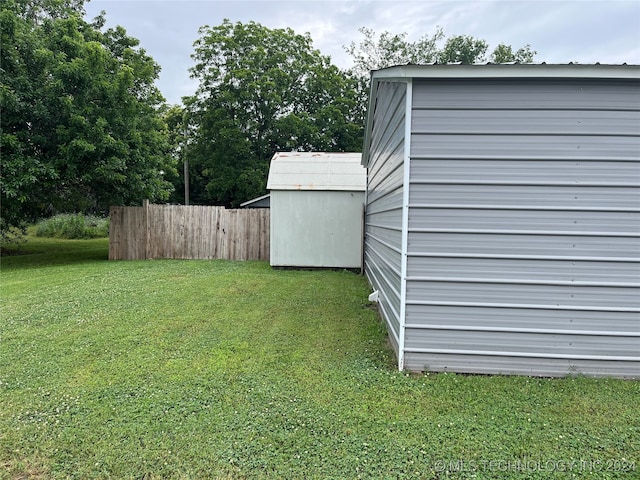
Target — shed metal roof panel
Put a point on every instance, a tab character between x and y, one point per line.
316	171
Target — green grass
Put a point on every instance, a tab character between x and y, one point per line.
218	369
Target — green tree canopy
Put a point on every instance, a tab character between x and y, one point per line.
81	122
175	117
374	52
384	50
463	49
505	54
262	90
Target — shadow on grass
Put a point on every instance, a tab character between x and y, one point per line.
44	252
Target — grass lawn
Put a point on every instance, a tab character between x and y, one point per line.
218	369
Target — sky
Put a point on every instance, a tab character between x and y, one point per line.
584	31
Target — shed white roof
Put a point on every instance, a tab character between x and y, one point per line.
316	171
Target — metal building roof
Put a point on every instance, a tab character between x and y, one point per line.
316	171
262	201
508	70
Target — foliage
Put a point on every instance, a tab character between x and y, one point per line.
81	127
463	49
37	10
374	51
12	233
218	369
73	226
505	54
176	120
262	90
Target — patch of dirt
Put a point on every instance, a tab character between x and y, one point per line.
26	469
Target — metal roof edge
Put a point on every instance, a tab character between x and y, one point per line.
313	188
254	200
502	70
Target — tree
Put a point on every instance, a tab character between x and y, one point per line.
81	123
463	49
385	50
175	118
391	49
262	90
505	54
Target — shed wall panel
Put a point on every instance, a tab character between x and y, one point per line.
579	147
486	169
525	122
316	228
508	293
517	197
498	95
385	201
383	218
542	345
390	173
524	227
540	320
566	247
580	272
496	363
587	222
388	238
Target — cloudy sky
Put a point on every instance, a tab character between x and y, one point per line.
585	31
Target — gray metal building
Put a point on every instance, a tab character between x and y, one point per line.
317	202
502	230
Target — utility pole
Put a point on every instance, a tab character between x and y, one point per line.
185	160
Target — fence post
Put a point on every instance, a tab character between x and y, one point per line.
114	234
145	216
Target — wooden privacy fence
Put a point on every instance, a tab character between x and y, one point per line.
188	232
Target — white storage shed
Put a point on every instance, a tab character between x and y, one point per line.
317	202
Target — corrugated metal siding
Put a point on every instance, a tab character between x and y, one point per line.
383	222
524	227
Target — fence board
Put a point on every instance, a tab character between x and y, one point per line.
188	232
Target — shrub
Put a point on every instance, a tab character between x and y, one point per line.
73	225
12	233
